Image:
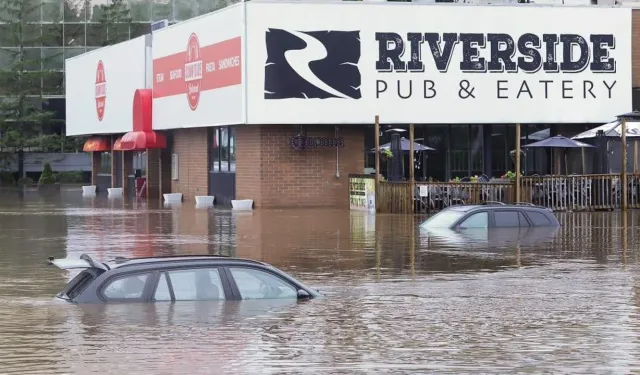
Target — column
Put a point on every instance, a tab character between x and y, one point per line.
95	167
114	169
127	169
165	171
153	174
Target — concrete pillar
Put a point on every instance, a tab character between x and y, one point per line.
127	169
153	174
95	167
165	171
114	169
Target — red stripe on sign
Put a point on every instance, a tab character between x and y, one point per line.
221	67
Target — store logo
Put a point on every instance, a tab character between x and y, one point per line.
193	71
312	64
101	90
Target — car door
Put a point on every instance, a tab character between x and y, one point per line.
192	284
248	283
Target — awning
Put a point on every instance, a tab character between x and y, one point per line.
117	145
97	144
142	140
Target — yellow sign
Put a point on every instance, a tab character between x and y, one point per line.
362	195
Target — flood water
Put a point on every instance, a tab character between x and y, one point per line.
399	300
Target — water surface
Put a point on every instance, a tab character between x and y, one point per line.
399	300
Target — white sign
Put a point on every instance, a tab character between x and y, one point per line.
347	62
424	191
100	85
198	71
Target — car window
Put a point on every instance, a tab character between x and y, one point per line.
199	284
523	220
130	287
538	219
444	219
477	220
162	290
506	219
256	284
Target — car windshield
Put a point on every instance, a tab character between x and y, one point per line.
443	219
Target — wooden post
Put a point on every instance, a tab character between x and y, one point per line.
583	160
412	247
518	192
623	175
412	177
377	145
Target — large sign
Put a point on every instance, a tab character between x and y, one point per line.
100	85
347	62
362	193
198	71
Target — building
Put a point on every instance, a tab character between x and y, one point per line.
73	27
244	103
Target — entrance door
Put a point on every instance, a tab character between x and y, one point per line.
222	164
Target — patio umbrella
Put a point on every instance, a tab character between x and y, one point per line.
612	129
405	146
560	142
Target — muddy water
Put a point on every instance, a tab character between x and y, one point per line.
400	300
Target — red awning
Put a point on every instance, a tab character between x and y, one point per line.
117	145
142	140
97	144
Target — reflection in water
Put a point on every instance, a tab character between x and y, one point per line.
399	299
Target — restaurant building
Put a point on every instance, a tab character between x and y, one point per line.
244	103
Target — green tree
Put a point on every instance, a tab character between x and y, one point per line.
47	177
115	18
23	120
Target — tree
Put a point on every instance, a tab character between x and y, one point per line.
23	121
115	17
47	177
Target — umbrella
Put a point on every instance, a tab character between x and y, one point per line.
612	129
560	142
405	146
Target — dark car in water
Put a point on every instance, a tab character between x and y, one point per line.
177	278
492	215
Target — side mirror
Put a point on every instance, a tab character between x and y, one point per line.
303	294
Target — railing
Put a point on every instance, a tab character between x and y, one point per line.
560	193
433	196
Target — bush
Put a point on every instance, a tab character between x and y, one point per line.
28	181
6	178
47	177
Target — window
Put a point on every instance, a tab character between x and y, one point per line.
74	35
53	59
256	284
523	220
129	287
53	84
52	10
477	220
105	163
506	219
444	219
202	284
78	284
215	150
538	219
52	35
162	290
174	166
96	35
223	149
140	11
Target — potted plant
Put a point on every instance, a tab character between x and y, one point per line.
509	176
387	153
47	182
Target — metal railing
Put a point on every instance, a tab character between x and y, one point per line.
560	193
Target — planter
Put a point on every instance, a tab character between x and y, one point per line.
204	200
172	197
89	190
167	204
114	192
242	204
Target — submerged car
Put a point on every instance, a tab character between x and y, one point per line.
177	278
492	215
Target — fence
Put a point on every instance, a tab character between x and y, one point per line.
560	193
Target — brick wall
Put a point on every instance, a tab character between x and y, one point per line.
193	175
635	47
271	173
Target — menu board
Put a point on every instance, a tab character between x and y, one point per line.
362	194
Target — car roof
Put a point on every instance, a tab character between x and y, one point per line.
496	206
86	261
